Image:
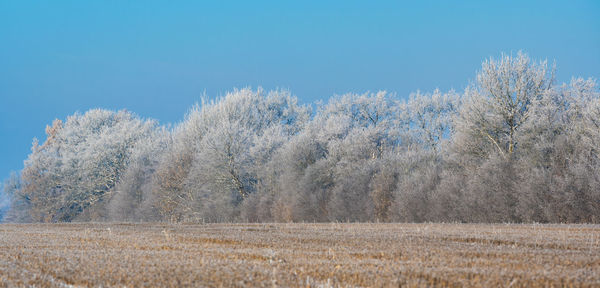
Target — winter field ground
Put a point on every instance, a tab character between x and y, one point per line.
299	255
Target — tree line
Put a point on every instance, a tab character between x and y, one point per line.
513	147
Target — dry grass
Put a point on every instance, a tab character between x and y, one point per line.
317	255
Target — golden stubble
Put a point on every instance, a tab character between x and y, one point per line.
299	255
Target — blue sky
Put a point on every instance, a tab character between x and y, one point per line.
157	58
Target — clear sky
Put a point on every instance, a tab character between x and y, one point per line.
157	58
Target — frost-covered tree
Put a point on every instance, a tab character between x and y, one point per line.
496	107
228	141
75	170
491	136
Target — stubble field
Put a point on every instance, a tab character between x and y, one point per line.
299	255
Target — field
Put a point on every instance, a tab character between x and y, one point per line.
299	255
